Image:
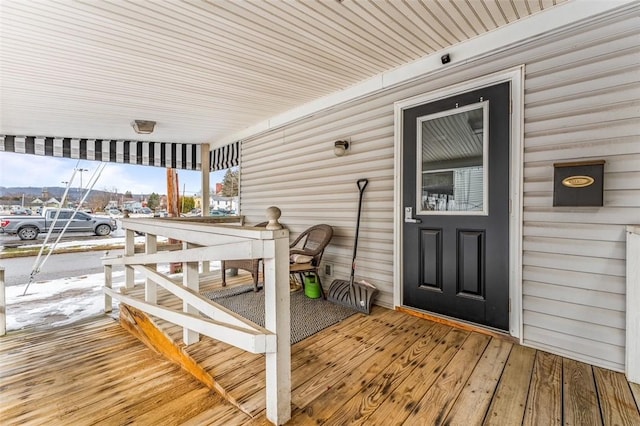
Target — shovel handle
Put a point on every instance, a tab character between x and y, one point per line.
362	184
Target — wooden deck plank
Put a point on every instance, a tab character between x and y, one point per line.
306	354
218	415
242	368
317	350
510	398
19	369
438	400
401	402
306	390
182	405
70	394
123	410
369	387
617	403
580	399
473	402
55	390
308	380
544	404
302	352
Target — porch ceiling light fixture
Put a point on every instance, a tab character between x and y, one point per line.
143	127
341	147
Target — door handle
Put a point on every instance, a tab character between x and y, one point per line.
408	216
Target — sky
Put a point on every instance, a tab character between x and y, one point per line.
19	170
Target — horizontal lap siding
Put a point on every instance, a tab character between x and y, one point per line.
296	170
581	103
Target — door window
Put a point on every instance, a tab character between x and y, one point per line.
452	161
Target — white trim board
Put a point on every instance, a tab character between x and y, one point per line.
516	77
557	19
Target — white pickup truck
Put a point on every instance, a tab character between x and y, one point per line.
28	227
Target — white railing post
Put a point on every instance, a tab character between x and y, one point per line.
108	283
129	250
632	367
3	305
277	320
150	287
191	280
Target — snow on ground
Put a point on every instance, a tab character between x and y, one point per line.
67	300
57	302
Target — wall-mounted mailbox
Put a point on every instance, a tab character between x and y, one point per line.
578	184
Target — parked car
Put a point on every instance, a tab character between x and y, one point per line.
142	212
29	228
216	213
21	212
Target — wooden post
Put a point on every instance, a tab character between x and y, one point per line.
129	250
277	320
173	197
191	280
150	287
3	305
108	283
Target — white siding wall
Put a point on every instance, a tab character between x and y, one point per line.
582	96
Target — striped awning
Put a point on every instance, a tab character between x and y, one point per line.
159	154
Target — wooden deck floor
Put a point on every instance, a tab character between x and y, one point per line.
383	369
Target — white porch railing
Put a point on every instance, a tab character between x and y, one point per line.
203	242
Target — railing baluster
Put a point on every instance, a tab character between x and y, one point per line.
129	250
108	283
150	288
190	280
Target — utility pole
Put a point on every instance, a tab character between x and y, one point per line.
80	189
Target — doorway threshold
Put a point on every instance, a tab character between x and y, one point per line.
453	322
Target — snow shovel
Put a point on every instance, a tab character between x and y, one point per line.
349	293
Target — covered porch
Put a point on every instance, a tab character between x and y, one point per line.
385	368
575	100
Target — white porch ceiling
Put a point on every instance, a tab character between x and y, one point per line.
207	70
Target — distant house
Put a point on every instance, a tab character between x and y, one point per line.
52	202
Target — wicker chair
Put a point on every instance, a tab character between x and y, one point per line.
312	243
250	265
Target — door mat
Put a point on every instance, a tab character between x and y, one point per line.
308	316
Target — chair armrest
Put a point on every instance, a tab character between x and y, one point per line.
305	252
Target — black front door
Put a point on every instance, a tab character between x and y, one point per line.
456	201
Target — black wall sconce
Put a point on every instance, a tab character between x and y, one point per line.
341	147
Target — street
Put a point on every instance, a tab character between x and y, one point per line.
17	270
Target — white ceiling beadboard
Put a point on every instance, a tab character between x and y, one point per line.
204	70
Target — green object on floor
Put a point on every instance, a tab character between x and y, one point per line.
311	287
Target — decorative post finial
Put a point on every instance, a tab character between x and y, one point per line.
273	214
